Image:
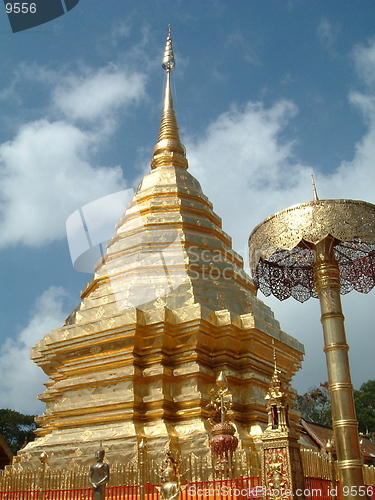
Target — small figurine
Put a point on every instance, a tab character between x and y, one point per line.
169	488
99	475
170	475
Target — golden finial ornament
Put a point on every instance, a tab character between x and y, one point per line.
168	150
168	59
220	405
277	401
315	193
223	442
221	380
275	381
281	461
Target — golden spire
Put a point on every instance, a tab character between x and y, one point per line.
315	193
275	380
168	150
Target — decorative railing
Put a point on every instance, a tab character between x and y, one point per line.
199	490
321	478
200	480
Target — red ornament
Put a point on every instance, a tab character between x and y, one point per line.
223	439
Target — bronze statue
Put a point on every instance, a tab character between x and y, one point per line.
99	475
169	488
170	476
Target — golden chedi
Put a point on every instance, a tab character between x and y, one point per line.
168	308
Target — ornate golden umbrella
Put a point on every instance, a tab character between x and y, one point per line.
319	249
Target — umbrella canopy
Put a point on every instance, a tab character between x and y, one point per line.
282	247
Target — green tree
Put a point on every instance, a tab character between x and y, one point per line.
16	428
315	405
364	400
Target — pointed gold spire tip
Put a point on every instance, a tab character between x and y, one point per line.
168	150
221	380
275	381
168	62
315	193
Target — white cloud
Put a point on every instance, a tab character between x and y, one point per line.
364	60
237	41
120	29
90	97
47	169
47	174
21	379
327	32
254	169
356	179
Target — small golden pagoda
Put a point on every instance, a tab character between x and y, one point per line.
168	308
282	475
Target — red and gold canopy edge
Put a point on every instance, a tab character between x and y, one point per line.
282	247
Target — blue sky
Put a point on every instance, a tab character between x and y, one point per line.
266	93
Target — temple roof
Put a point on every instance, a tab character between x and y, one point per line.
6	455
320	435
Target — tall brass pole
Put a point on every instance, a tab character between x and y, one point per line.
331	461
142	469
327	283
43	458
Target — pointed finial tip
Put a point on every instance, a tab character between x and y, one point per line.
221	380
168	150
315	193
168	62
275	360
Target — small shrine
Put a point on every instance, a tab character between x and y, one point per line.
282	474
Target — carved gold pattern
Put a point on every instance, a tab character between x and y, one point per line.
282	250
277	473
